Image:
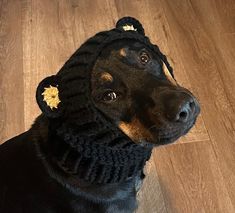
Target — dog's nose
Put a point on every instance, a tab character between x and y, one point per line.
185	110
179	107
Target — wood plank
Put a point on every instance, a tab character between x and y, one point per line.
103	17
150	196
204	69
220	21
226	13
48	41
11	71
191	180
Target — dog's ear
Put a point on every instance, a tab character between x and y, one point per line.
130	23
48	97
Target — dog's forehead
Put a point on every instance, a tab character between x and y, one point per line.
121	58
114	48
112	56
112	67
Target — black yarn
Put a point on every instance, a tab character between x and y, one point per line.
103	164
132	21
86	143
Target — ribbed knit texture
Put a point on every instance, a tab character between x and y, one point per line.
104	157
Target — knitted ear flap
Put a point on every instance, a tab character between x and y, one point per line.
47	96
130	23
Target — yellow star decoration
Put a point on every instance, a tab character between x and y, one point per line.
51	96
129	27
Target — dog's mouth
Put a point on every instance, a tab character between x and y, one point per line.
168	135
155	136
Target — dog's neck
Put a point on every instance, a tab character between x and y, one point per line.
60	160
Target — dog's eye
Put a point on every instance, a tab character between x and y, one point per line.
144	57
109	96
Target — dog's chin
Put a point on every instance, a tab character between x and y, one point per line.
158	141
167	136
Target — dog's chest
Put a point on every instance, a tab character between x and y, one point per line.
120	198
128	205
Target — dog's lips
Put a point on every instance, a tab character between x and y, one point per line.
169	135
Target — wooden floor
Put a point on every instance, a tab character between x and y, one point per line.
196	175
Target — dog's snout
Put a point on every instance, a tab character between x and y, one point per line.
178	106
185	110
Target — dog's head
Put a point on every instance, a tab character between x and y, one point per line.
134	88
128	81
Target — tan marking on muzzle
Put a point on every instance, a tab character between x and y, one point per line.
105	76
135	130
168	74
122	52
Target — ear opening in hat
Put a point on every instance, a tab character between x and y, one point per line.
130	24
47	97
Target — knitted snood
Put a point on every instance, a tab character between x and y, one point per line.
84	142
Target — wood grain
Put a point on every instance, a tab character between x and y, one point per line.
150	196
202	56
191	180
196	174
11	70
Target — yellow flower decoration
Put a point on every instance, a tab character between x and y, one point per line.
129	27
51	96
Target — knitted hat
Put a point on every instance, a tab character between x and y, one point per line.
87	144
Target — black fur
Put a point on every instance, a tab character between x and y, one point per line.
30	186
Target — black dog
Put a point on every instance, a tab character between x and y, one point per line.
103	112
